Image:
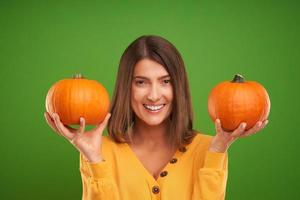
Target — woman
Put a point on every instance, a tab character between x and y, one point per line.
152	151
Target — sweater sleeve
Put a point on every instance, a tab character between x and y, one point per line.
212	177
97	182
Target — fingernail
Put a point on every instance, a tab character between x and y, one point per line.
81	119
243	125
259	124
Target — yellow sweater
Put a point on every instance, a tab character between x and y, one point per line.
193	174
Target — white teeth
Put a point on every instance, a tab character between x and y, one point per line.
154	108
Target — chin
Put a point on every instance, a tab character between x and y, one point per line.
153	121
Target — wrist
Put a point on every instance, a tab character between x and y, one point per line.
94	158
217	150
219	145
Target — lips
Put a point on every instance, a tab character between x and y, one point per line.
154	107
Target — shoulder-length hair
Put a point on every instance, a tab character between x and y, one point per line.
160	50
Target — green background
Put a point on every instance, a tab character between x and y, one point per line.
42	42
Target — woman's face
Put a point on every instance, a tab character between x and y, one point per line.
152	92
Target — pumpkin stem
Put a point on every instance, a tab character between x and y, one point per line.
78	76
238	79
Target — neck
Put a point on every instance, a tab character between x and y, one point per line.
150	137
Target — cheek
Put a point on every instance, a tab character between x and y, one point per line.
169	97
136	97
169	94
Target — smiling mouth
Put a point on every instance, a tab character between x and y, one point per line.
154	107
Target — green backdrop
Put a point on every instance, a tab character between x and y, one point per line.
42	42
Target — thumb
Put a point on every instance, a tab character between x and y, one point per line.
100	127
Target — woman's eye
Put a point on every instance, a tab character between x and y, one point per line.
167	81
140	82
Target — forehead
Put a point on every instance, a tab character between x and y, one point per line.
149	68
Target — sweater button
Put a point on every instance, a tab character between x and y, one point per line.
164	173
155	189
174	160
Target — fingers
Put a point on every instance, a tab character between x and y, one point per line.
218	126
102	126
254	129
258	126
51	122
240	130
78	132
264	124
82	126
61	128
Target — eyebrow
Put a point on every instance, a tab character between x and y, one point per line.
143	77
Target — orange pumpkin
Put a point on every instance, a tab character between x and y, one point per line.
78	97
237	101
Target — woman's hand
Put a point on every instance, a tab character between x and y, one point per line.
88	143
222	140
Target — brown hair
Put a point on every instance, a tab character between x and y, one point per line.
163	52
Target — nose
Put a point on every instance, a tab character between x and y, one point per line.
154	94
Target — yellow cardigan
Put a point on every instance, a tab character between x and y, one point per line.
194	173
